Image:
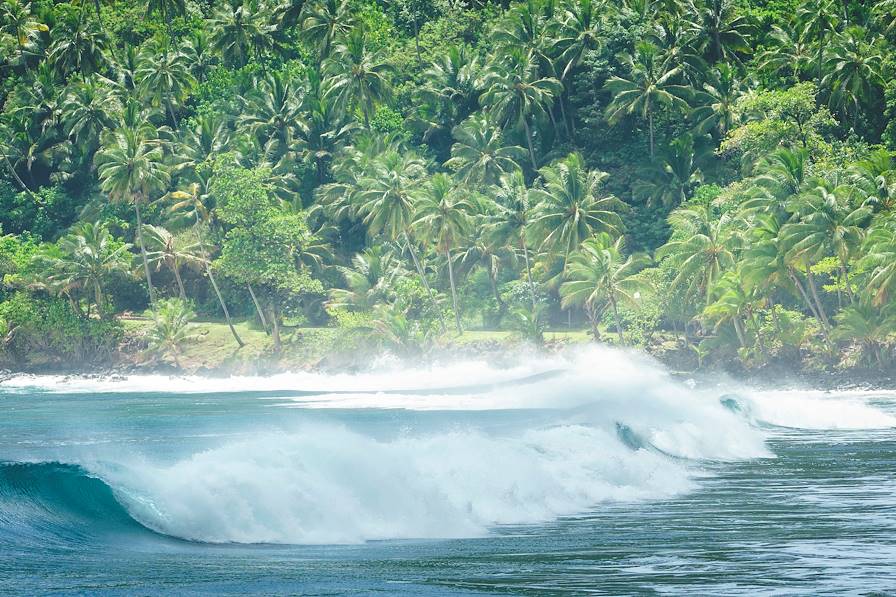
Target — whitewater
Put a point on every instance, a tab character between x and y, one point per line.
311	475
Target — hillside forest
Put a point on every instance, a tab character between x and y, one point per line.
715	174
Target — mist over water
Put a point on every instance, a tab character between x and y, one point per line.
448	453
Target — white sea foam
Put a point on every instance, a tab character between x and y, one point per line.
325	483
808	409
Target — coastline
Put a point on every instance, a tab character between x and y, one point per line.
320	351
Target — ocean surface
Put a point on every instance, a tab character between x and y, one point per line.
591	474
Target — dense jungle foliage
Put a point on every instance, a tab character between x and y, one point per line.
717	171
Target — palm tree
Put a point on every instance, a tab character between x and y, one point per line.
825	224
209	136
818	19
193	202
701	248
790	52
479	155
17	21
442	214
650	86
671	182
386	202
359	76
326	23
130	168
450	84
724	33
716	110
165	78
512	218
167	10
170	330
570	206
88	256
240	31
89	109
514	95
173	251
879	259
598	275
78	48
870	326
368	280
854	72
272	113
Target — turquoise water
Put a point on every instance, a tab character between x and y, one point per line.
595	474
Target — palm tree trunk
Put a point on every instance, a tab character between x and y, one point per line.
259	310
98	293
529	142
211	278
844	272
618	321
18	179
650	130
528	271
592	319
171	111
432	296
738	329
453	291
180	283
563	116
152	293
811	279
275	326
502	306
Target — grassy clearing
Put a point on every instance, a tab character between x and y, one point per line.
212	346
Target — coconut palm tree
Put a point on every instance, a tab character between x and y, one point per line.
130	168
165	78
599	275
271	115
443	215
514	94
167	10
17	21
368	280
479	155
716	103
173	251
854	72
825	224
879	259
511	221
571	206
702	247
88	255
386	202
192	204
170	329
240	31
327	22
78	47
725	34
789	51
359	76
671	182
650	86
818	21
89	109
